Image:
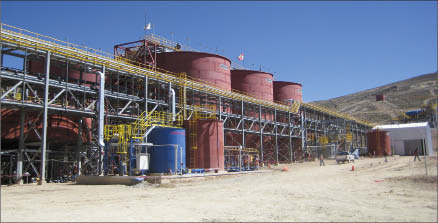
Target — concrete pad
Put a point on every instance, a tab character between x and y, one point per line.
108	180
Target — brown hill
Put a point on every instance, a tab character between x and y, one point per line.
399	97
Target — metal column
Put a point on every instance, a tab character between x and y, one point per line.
220	108
290	138
1	55
276	136
1	67
146	94
78	152
45	115
169	107
243	127
20	147
261	133
303	129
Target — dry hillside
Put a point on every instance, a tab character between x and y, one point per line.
400	97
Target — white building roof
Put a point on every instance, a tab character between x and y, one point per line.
397	126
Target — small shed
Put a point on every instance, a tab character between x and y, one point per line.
380	97
405	138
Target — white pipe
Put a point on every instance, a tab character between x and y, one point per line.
101	106
172	92
176	158
180	159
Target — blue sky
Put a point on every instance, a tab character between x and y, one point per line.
332	48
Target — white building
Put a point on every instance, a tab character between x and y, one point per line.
405	138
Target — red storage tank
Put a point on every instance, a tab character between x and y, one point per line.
235	139
211	68
255	83
210	152
283	91
61	129
57	69
378	142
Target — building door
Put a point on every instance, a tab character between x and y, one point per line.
411	145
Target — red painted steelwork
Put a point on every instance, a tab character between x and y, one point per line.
378	142
61	129
210	152
283	91
211	68
56	69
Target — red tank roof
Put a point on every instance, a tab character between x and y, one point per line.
283	91
255	83
211	68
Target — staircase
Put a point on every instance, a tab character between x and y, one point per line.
137	130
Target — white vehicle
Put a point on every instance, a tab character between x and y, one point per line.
344	156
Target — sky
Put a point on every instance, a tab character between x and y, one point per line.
331	48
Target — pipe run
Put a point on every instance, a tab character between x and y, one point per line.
101	106
172	94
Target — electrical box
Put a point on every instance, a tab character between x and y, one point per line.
142	161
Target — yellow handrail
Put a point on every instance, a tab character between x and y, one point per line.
102	58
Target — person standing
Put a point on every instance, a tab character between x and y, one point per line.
385	154
416	155
321	160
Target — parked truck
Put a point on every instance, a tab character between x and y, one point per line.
344	157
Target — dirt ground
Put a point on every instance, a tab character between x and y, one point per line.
374	191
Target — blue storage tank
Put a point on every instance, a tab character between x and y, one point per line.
169	150
414	112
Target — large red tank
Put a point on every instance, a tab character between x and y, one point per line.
379	142
283	91
210	68
61	129
58	70
210	152
255	83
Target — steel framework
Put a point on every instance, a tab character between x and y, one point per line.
279	132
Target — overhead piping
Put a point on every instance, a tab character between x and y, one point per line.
172	93
101	106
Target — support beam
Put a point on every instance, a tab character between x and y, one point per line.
146	95
56	96
45	116
303	130
290	138
1	67
10	90
243	126
124	108
276	136
220	108
78	151
261	133
20	147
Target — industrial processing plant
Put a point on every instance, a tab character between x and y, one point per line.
154	107
218	111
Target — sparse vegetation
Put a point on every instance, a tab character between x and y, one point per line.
400	97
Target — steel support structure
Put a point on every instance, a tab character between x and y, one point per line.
278	133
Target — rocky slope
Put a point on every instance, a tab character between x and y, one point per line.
400	97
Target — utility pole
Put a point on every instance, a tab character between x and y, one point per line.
424	154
